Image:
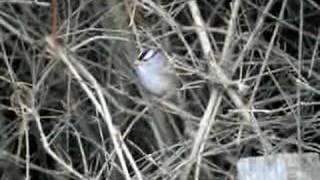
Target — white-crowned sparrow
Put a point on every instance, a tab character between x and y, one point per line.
155	73
157	76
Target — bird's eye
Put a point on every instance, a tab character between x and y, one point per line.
147	54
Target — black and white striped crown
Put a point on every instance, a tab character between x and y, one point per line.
147	54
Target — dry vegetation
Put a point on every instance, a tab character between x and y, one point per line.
71	107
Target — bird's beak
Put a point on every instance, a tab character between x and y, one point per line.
136	62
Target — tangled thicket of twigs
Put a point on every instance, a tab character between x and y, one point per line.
71	107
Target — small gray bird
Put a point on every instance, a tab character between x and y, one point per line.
155	73
157	76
